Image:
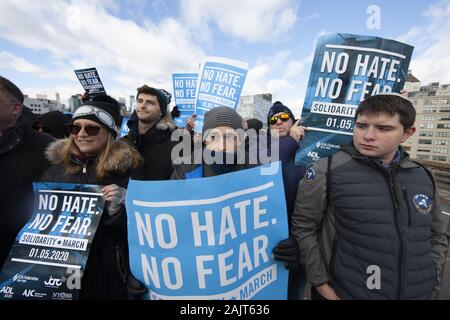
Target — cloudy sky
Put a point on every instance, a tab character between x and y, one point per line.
132	42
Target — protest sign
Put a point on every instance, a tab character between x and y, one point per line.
220	83
184	88
346	69
49	254
209	238
90	80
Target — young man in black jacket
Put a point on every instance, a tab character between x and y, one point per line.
367	220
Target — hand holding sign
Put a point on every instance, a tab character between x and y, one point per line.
116	196
297	131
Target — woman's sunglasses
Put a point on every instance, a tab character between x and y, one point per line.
283	117
90	130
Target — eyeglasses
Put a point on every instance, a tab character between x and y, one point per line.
39	127
90	130
283	117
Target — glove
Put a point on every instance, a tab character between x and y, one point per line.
288	252
115	196
135	289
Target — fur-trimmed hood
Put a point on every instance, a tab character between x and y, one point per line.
165	124
122	158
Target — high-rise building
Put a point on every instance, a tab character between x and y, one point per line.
74	102
255	107
432	138
132	103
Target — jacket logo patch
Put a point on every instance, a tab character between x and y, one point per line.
310	175
422	203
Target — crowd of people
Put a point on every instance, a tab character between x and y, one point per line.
367	205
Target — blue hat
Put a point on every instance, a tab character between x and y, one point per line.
278	107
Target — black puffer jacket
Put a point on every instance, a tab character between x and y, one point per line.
107	266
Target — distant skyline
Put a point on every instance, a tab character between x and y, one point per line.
132	42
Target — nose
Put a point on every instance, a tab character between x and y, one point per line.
370	134
82	132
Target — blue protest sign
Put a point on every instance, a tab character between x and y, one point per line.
124	127
346	69
184	88
49	254
220	83
208	238
90	80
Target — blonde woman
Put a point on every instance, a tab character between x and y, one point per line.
91	155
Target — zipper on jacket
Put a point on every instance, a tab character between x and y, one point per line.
405	196
400	235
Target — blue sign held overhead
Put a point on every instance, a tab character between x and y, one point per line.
220	83
90	80
184	88
208	238
346	69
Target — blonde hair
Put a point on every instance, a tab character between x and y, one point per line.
70	148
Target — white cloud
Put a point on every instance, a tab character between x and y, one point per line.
83	34
12	62
251	20
431	59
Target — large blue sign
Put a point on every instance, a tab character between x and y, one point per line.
49	254
124	130
220	84
208	238
90	80
346	69
184	88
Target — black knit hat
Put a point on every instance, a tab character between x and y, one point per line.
222	116
105	113
278	107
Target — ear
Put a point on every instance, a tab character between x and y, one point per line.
16	109
408	133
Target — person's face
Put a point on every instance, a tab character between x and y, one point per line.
147	108
222	139
90	143
9	111
282	125
379	135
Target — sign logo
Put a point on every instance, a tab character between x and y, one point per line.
310	175
422	203
53	282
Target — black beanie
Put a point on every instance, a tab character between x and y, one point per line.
278	107
104	113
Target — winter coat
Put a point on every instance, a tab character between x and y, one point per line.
376	220
22	161
155	147
107	266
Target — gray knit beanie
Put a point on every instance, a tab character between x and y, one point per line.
222	116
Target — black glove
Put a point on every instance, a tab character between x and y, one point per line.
135	289
287	251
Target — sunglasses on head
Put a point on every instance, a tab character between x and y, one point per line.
45	129
89	129
283	117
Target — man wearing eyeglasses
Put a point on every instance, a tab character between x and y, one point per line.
282	125
150	132
22	161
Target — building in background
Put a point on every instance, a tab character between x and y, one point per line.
432	139
430	144
41	104
132	104
74	102
255	107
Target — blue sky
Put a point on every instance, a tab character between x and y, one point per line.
132	42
